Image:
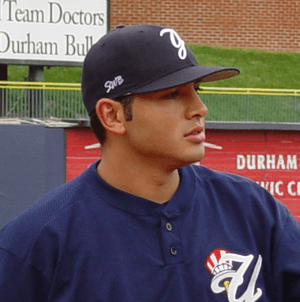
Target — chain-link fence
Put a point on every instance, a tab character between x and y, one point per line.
41	100
252	106
64	101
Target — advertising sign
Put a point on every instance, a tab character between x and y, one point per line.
58	32
270	158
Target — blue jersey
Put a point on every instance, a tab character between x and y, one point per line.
220	238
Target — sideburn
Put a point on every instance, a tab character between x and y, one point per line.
127	105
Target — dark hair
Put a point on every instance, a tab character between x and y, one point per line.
96	125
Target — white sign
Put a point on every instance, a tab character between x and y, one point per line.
58	32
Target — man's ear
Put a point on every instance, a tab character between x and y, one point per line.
111	115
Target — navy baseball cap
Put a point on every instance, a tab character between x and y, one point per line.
140	59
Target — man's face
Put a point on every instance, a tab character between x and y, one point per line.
168	126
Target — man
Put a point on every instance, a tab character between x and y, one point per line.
143	224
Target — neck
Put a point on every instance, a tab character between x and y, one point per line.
145	179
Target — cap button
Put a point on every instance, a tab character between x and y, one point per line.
120	26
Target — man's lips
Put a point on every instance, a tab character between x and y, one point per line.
196	135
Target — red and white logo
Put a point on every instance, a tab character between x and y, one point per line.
229	271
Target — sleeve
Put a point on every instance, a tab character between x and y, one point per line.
20	281
286	259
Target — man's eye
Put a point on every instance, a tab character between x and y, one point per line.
174	94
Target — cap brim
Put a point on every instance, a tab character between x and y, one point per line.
187	75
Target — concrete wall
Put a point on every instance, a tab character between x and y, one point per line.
32	162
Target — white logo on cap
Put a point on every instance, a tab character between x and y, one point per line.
176	41
117	81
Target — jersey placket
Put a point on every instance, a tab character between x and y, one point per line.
171	245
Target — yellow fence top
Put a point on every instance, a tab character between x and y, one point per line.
39	85
249	91
203	90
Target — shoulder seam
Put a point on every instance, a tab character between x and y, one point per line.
25	263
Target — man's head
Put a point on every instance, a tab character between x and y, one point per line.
141	59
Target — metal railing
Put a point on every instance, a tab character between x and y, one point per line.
41	100
252	104
64	101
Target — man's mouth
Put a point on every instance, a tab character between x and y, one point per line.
196	135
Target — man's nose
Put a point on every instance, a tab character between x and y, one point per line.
196	107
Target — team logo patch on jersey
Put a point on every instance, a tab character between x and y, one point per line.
228	272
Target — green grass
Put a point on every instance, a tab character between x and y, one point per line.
62	74
53	74
259	69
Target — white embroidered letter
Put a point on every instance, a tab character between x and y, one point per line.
176	41
117	81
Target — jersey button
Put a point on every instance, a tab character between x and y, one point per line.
169	226
173	250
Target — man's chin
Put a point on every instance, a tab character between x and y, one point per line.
197	157
194	160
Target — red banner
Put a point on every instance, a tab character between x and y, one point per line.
270	158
